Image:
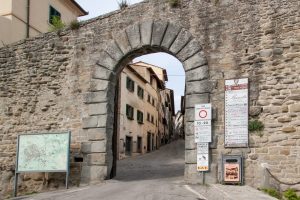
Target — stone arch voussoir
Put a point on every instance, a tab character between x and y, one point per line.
138	39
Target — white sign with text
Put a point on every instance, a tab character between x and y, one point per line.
236	113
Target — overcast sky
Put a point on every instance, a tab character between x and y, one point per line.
171	64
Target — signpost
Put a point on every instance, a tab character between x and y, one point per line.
202	157
202	129
236	113
202	126
47	152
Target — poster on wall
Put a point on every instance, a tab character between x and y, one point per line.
232	172
236	113
202	157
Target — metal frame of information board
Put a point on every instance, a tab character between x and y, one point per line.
239	145
67	171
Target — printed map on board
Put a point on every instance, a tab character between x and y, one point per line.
44	152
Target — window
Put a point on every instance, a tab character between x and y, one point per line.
140	92
148	117
152	119
53	12
140	117
149	98
130	84
153	102
129	112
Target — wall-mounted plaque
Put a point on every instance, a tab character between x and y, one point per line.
236	113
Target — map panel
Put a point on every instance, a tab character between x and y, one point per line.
43	152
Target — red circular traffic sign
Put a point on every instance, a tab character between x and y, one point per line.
202	113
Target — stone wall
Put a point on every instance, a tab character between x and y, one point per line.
61	82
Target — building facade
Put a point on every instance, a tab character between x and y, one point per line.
20	19
140	117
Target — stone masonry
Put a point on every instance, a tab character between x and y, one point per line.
66	81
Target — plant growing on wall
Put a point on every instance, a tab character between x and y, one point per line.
123	4
75	24
256	126
57	24
272	192
174	3
291	194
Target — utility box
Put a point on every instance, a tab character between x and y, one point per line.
232	169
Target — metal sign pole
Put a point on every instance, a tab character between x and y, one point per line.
203	178
16	185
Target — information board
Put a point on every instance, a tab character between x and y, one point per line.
236	113
43	152
202	157
202	131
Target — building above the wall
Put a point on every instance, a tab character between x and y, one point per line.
27	18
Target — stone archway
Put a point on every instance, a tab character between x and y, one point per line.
136	40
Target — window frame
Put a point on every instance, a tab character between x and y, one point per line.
53	12
129	112
140	92
130	84
140	117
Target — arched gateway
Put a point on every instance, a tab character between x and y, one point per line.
67	81
142	38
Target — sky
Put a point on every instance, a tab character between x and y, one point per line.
173	66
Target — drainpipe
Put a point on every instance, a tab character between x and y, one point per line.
28	16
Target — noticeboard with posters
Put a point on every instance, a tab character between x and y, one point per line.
236	113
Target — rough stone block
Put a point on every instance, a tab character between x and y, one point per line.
193	99
94	147
289	129
146	32
190	142
198	74
294	107
190	114
101	73
159	28
99	108
189	128
114	50
255	111
170	35
106	61
98	85
182	39
96	134
277	137
90	122
96	121
191	156
198	87
96	159
93	174
195	61
122	41
133	33
189	50
98	97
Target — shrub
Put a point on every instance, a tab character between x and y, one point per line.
123	4
57	24
272	192
75	24
291	194
255	126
